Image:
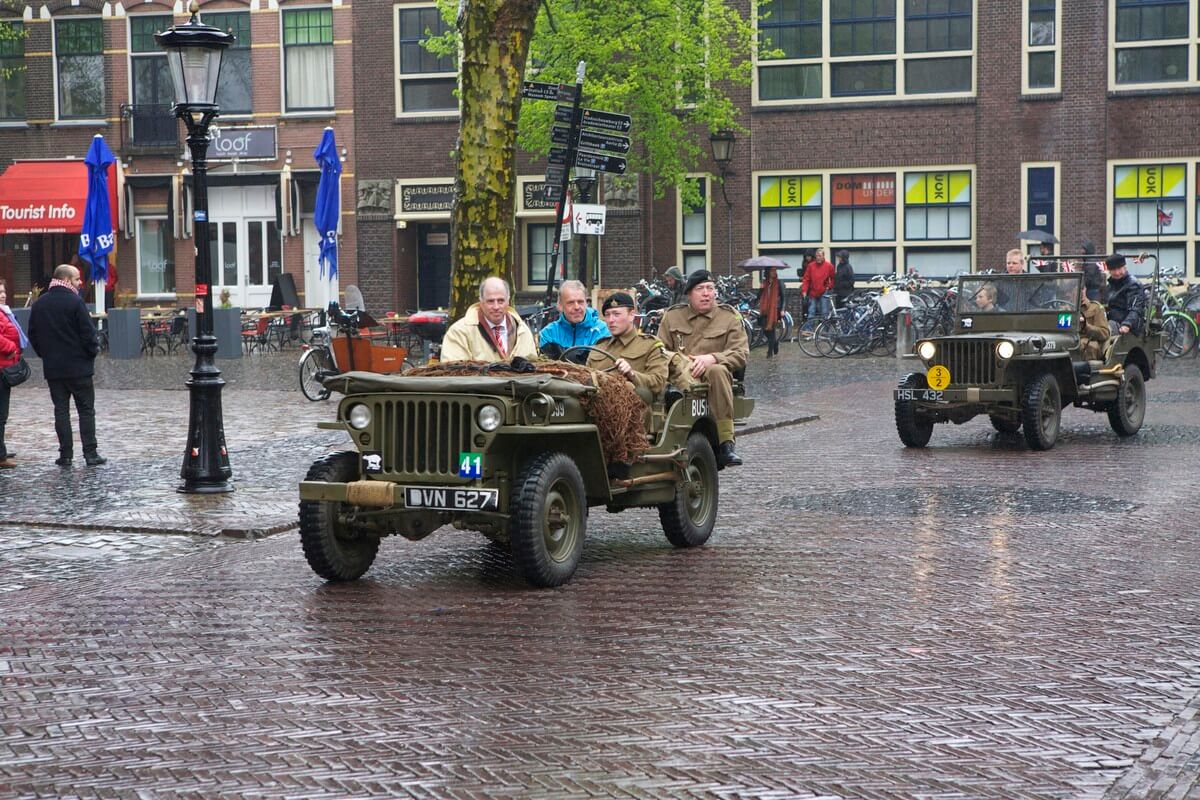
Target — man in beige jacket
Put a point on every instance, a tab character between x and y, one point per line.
489	331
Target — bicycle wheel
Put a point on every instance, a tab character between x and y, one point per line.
315	364
806	335
1179	335
827	338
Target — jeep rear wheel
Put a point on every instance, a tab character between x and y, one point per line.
688	520
1041	412
1005	424
334	549
1129	409
914	427
549	518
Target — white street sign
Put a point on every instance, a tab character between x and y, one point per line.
588	219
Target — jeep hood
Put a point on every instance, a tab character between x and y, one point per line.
508	385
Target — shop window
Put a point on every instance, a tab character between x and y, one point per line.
156	256
693	226
1149	200
937	205
863	207
234	93
1042	52
425	82
789	208
308	59
868	263
79	61
12	70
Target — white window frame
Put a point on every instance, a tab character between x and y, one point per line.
58	118
1191	43
137	227
1190	241
1022	220
283	109
680	246
399	77
900	245
1027	50
900	58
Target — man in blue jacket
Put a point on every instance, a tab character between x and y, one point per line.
63	336
578	324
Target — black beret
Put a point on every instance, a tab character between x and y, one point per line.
1115	261
696	278
617	300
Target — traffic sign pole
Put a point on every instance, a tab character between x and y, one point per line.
572	144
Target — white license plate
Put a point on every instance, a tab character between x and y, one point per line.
450	498
933	395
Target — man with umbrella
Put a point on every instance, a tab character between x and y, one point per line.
1046	242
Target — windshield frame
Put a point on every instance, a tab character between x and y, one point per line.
1026	293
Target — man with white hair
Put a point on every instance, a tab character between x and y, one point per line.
577	325
490	330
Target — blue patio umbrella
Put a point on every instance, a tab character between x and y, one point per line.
97	238
329	202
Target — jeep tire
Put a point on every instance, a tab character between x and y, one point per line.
548	519
1129	409
915	428
334	550
1041	412
688	520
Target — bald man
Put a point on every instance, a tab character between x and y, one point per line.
490	330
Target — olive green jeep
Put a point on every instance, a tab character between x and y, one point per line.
516	458
1016	355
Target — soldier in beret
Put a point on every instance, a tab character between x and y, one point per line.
713	339
639	356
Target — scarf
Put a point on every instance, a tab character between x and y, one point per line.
56	282
768	299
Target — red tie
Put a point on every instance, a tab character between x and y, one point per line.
499	339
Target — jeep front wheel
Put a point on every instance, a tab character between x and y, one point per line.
688	520
334	549
1041	412
1129	409
914	427
548	520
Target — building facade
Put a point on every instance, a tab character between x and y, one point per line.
88	68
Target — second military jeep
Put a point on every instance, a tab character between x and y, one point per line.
1016	355
514	457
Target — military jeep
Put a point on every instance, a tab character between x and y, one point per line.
515	458
1015	354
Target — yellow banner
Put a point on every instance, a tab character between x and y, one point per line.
937	188
1135	183
794	191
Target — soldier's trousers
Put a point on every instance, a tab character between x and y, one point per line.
720	398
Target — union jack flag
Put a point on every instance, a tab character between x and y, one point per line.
1165	218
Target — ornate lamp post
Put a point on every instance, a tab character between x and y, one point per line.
194	53
722	143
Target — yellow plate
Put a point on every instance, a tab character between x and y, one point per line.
938	377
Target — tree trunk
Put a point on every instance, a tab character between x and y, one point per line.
495	38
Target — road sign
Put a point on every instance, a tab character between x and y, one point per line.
539	91
554	174
607	142
614	164
588	219
557	155
621	123
562	114
560	135
551	193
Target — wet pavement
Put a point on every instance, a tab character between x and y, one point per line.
970	620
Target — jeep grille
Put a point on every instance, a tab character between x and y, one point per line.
971	362
423	437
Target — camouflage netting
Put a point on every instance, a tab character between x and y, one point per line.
616	410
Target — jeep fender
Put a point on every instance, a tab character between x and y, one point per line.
581	443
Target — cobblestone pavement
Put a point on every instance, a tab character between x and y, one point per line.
970	620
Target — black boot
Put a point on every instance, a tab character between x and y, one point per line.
727	456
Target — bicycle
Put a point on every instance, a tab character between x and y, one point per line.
318	361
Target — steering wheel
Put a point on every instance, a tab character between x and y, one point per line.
593	349
1057	303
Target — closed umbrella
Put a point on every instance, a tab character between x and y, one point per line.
97	237
329	205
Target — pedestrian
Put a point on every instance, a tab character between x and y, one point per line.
1044	263
674	279
62	334
770	308
816	285
12	342
490	330
1095	278
843	278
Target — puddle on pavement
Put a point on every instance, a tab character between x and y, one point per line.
960	501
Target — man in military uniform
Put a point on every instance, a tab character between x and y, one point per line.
1093	327
639	357
713	339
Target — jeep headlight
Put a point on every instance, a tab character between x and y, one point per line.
1005	349
359	416
489	418
926	350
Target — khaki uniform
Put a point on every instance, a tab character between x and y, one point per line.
644	353
719	333
1093	331
466	340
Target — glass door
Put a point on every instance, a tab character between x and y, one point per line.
263	260
223	259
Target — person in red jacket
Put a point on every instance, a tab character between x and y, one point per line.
817	282
10	351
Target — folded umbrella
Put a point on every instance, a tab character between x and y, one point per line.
329	202
97	238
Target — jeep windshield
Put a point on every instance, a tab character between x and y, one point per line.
1018	294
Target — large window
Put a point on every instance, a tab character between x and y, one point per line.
424	82
863	207
789	208
156	256
1042	51
1156	209
152	85
937	205
864	48
12	70
234	93
539	243
693	227
1154	43
308	59
1039	193
79	61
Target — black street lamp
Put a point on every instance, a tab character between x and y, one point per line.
722	142
194	55
585	181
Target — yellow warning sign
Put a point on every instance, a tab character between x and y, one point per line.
938	377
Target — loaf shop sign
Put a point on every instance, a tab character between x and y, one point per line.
248	143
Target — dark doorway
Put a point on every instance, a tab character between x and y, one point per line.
433	265
46	252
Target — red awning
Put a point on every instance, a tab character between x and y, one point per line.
48	196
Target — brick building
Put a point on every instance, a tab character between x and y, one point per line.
93	67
